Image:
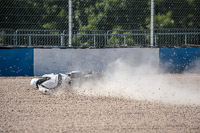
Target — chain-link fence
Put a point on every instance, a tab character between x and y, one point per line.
34	14
177	23
99	23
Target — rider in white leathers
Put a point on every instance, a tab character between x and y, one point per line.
49	82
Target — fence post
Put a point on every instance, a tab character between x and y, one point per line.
124	40
62	38
29	40
105	39
15	41
152	23
185	39
156	41
94	41
70	23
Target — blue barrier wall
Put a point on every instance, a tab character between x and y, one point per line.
16	62
36	62
178	60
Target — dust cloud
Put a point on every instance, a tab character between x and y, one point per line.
144	82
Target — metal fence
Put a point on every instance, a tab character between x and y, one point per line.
100	23
111	38
177	37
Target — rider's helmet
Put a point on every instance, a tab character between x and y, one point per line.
34	82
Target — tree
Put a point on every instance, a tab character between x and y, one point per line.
34	14
107	14
176	14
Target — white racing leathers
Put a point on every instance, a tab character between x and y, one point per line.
50	82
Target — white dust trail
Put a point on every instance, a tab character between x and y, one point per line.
143	82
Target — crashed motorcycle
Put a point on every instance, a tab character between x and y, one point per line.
50	82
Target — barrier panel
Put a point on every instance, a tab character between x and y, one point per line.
36	62
179	60
65	60
16	62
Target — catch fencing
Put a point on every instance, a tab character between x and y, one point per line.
112	38
100	23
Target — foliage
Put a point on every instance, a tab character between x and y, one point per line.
98	14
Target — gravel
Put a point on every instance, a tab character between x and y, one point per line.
23	109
